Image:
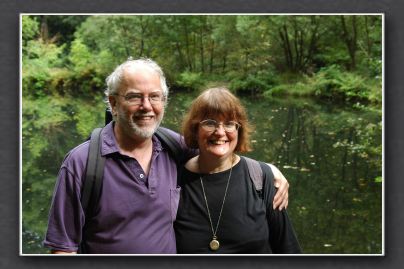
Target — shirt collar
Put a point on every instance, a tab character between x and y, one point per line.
109	144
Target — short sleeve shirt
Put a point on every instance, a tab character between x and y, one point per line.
135	213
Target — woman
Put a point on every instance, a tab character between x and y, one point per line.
220	209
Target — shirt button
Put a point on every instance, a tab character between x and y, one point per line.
141	176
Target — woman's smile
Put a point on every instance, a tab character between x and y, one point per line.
217	143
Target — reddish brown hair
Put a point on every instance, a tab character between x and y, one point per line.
212	104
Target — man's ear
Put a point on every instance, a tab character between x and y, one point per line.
112	102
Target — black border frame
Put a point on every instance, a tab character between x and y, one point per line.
9	133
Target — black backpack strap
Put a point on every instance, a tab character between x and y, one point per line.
94	173
173	146
255	171
95	166
95	169
108	116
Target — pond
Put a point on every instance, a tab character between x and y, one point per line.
331	155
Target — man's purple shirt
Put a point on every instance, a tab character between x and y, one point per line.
135	213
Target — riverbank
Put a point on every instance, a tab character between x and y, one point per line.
328	84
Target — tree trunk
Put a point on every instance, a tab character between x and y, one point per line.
286	46
224	63
313	42
212	48
201	49
143	27
180	56
187	45
350	40
44	32
368	41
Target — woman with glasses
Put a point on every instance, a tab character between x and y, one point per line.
220	210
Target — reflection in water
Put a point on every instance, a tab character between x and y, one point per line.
331	156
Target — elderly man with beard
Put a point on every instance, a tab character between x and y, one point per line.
139	195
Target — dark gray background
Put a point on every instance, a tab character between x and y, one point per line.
9	131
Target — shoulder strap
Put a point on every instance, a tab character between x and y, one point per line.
95	165
94	173
255	171
95	169
174	148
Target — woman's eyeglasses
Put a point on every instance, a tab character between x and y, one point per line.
211	125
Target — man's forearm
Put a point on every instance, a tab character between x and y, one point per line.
61	252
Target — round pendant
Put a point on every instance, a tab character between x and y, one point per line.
214	244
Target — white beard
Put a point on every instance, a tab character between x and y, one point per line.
130	125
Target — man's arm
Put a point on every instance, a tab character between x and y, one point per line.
61	252
280	182
281	198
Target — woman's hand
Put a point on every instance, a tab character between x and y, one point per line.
281	197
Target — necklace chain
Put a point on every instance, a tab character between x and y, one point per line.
214	231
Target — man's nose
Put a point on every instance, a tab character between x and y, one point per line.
145	104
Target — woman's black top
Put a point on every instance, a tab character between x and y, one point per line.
248	223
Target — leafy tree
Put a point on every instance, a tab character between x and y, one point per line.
40	61
30	29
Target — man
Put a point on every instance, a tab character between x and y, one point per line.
139	196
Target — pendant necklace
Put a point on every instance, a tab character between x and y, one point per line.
214	243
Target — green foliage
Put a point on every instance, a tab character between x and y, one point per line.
190	80
45	115
87	116
256	83
39	63
32	241
298	135
333	55
190	48
30	28
80	56
43	121
62	27
296	89
51	125
378	179
332	82
123	36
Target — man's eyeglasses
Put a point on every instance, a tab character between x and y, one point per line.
212	125
137	98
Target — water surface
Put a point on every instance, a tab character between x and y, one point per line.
331	155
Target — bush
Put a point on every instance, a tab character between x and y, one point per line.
190	80
332	82
38	63
30	28
253	83
296	89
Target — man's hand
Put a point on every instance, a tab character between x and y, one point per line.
53	251
281	197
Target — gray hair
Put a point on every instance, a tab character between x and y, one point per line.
115	78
